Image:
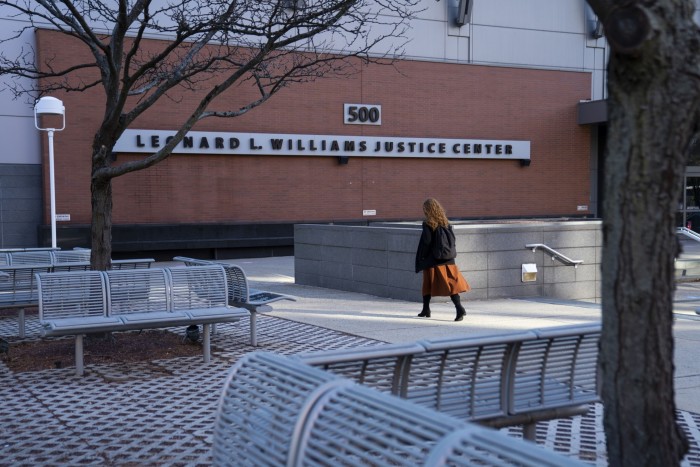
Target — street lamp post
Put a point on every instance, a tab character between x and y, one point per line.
50	106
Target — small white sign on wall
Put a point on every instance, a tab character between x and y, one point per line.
62	217
369	212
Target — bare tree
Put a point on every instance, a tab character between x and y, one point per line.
654	84
208	46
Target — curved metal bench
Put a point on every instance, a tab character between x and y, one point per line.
18	289
277	411
240	294
84	302
500	380
71	256
18	258
17	284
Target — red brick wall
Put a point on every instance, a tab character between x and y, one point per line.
418	99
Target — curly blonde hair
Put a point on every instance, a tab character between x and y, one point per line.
434	213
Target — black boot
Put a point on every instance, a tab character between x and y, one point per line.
425	313
461	312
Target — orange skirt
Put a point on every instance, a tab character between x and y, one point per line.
444	280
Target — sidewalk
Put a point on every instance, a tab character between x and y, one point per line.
162	412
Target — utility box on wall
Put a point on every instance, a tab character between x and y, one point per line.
529	273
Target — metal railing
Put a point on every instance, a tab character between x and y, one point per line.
554	254
688	233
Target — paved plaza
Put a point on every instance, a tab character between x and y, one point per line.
162	412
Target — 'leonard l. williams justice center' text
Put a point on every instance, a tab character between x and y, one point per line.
205	142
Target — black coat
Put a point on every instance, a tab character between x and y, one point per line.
424	254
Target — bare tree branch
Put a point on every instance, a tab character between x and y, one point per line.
202	47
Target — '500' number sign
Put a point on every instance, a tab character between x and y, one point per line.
361	114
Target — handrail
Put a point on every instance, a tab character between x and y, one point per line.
555	254
688	233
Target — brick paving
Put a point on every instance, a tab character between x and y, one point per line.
161	413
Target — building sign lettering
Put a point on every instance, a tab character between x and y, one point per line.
207	142
360	114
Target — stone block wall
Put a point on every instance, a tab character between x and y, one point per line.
20	205
380	259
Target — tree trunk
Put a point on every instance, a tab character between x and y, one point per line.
652	103
101	227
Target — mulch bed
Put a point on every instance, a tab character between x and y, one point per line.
122	347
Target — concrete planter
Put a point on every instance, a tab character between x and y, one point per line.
379	259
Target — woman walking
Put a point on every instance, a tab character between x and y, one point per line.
440	277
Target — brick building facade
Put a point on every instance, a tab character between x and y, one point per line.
233	201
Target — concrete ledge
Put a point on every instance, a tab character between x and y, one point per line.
379	260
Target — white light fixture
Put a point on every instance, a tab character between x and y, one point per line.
50	106
464	12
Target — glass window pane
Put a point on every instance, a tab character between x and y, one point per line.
692	193
680	220
694	156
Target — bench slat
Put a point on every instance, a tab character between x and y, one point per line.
18	289
239	294
548	373
18	299
71	266
18	258
154	320
217	315
71	256
20	281
238	291
198	288
137	291
82	325
68	298
141	263
71	294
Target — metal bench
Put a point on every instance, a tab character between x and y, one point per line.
70	256
18	289
239	294
85	302
6	254
501	380
61	257
17	284
26	255
66	260
71	260
18	258
275	411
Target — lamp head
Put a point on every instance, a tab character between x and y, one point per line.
49	106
